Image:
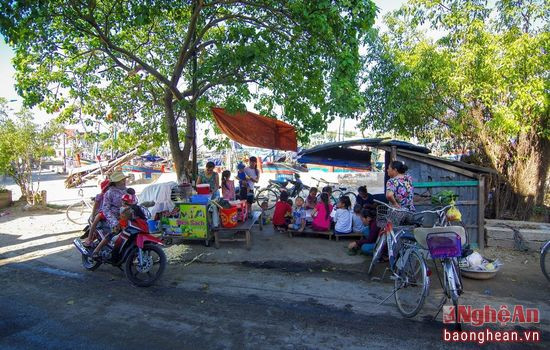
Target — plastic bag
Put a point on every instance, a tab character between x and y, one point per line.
453	214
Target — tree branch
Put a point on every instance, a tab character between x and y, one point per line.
109	44
183	54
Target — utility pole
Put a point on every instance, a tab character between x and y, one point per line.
64	153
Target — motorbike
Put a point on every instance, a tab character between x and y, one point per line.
133	248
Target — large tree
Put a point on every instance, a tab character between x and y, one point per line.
483	85
153	63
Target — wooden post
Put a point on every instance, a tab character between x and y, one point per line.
496	197
481	213
393	156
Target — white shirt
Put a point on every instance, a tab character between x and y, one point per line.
252	174
343	220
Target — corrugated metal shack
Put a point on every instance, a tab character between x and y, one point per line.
430	174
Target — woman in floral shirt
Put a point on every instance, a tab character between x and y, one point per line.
399	188
112	201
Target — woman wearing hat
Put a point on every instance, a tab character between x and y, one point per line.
113	198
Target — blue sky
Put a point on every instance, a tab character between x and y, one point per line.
7	89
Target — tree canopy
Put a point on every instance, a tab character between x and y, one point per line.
24	144
152	63
482	85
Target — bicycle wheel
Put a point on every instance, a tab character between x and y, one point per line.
377	252
411	283
453	286
267	195
79	213
545	260
451	280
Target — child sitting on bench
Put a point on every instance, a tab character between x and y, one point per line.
282	210
321	214
298	216
342	216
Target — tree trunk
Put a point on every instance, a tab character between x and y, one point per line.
525	175
178	157
523	166
189	140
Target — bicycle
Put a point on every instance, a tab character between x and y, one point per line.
79	212
272	192
442	244
337	191
545	260
407	266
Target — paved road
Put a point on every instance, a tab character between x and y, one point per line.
209	306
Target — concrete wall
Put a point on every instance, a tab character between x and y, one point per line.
500	233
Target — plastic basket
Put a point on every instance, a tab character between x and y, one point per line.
229	217
444	245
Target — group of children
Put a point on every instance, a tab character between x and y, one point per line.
318	212
229	192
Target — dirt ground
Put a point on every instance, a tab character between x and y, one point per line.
22	232
284	293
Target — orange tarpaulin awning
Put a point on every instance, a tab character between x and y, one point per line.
255	130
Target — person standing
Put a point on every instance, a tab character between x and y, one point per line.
399	188
211	178
252	177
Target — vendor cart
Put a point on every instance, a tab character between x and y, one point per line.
188	221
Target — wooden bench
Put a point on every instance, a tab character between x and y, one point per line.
311	232
243	227
357	235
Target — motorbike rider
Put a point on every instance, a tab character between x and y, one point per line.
112	202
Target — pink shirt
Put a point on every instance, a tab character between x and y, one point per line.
321	222
228	193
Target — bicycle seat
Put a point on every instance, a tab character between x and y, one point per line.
342	188
407	234
148	204
256	187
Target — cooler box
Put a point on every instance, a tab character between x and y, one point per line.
203	189
200	198
229	217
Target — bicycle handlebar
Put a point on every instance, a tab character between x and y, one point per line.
324	181
393	208
437	211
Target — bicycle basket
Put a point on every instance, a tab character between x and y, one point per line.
385	214
381	215
444	245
